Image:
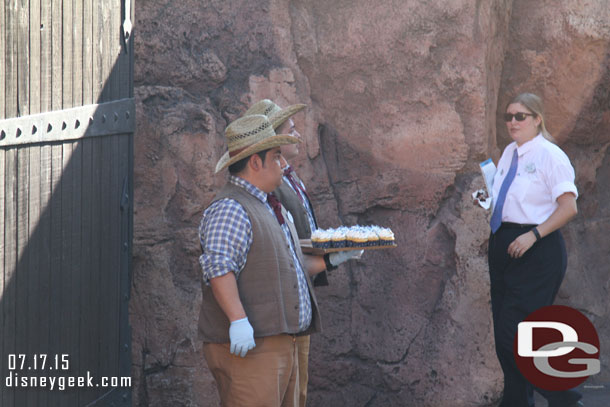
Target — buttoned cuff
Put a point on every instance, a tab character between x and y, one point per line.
562	188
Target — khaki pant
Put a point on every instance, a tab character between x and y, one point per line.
268	376
303	348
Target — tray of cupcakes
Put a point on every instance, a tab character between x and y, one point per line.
348	238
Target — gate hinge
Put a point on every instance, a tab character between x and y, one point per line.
103	119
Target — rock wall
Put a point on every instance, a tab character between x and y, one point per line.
404	99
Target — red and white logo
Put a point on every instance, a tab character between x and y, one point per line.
557	348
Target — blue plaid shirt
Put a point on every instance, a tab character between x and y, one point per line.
225	234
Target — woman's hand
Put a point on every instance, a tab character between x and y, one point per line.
480	197
521	244
565	211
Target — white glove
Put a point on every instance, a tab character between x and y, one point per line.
242	337
341	257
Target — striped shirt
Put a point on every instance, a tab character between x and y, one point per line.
225	235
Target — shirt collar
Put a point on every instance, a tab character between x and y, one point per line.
527	146
251	189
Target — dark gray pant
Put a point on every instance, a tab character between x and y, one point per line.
518	288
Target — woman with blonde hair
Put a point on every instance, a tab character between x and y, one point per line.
534	195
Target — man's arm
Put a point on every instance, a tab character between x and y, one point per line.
314	264
226	235
226	294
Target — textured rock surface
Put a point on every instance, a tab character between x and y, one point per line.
403	99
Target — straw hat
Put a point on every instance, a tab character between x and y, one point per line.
277	116
249	135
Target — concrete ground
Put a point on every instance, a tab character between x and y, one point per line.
593	395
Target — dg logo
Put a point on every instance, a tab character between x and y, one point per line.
557	348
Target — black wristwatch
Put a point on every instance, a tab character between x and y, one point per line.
537	234
329	266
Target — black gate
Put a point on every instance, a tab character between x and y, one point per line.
66	179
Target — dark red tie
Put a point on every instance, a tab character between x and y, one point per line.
296	185
276	206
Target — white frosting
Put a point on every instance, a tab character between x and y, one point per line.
386	234
357	231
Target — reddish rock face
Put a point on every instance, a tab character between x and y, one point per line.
404	100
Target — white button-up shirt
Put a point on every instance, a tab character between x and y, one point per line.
544	173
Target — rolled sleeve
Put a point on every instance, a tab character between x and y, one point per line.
562	188
561	177
225	234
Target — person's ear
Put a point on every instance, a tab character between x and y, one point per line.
255	162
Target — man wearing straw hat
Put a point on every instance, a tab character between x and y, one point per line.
292	193
293	196
257	292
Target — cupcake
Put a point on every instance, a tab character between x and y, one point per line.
350	238
386	237
372	238
320	239
338	238
357	237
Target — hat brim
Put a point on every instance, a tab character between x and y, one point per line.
280	117
267	143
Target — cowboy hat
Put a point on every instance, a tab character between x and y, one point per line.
277	116
249	135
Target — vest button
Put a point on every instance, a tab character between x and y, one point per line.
296	307
295	286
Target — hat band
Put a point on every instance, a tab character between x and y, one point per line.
235	152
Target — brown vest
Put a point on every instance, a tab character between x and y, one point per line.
267	284
291	201
293	204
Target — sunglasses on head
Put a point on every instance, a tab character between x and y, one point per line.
520	116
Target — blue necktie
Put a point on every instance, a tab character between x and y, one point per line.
496	217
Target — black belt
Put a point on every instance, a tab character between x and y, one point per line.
511	225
